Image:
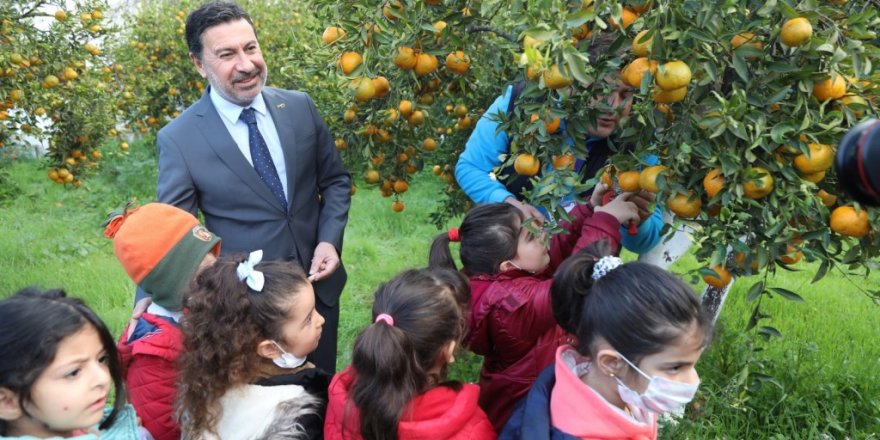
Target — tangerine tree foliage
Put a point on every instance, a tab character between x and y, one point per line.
57	82
415	77
160	79
746	126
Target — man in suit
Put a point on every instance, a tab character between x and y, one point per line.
258	162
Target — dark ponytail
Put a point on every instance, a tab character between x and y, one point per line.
638	308
489	235
391	361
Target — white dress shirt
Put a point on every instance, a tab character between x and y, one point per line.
238	129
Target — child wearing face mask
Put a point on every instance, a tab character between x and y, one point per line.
58	368
639	334
249	327
510	269
161	248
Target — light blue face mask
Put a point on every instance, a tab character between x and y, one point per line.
287	360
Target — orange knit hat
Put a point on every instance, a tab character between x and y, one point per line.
160	247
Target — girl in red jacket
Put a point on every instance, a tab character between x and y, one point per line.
244	375
395	387
510	270
640	332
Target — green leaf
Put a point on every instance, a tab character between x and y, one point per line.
576	64
769	332
787	294
823	269
768	9
780	132
578	18
740	66
755	291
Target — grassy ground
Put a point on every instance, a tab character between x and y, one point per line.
821	378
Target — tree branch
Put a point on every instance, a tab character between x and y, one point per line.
28	13
472	29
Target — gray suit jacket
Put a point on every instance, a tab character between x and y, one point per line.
201	168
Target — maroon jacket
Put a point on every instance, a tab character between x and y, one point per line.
511	322
150	373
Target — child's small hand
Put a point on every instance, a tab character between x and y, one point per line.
644	201
136	313
598	192
621	208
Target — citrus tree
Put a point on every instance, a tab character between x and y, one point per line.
415	77
58	85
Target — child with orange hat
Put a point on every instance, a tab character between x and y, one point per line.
162	248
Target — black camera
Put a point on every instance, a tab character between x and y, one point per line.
858	163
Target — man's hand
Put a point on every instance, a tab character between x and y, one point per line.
643	200
530	211
324	263
136	313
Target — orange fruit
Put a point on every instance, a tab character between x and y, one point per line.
526	165
349	115
745	38
563	161
796	32
713	183
437	170
833	87
669	96
627	16
642	46
846	221
529	41
405	107
401	186
371	176
332	34
827	198
740	258
458	62
791	256
648	178
820	159
406	58
438	28
673	75
720	280
628	181
759	184
460	110
386	10
365	89
70	74
397	206
581	32
349	61
60	15
341	144
425	64
50	81
416	118
429	144
632	74
606	178
382	86
685	205
855	103
555	79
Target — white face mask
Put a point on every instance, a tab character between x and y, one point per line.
287	360
662	395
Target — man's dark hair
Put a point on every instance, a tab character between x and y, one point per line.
209	15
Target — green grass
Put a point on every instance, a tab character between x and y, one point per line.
827	363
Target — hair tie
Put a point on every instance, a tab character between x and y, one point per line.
454	234
246	272
386	318
604	265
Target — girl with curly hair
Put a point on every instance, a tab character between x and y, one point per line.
244	375
396	386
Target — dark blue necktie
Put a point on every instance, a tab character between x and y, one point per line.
261	158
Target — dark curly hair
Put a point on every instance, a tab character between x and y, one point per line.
32	325
225	322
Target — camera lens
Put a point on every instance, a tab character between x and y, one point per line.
858	162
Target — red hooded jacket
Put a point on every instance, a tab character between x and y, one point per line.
150	373
441	413
511	323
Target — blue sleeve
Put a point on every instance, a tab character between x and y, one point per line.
481	154
648	235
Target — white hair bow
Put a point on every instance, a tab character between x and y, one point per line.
246	272
604	265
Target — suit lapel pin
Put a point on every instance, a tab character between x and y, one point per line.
282	105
